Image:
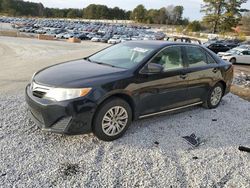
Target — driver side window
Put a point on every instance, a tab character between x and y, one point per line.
170	58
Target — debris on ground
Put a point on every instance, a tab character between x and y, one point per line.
246	149
193	140
156	143
242	79
68	169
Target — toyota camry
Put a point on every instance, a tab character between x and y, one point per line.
104	92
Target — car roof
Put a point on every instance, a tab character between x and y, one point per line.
159	43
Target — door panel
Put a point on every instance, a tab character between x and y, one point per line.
161	92
202	73
200	80
167	89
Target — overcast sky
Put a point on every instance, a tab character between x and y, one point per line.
191	7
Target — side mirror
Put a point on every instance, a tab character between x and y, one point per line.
152	68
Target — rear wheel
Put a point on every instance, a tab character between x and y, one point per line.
214	96
112	119
233	60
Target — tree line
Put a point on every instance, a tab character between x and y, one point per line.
24	8
169	15
220	15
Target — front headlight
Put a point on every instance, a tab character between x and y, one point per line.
61	94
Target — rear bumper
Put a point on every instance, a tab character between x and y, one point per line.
66	117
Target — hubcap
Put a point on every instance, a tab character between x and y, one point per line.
216	96
114	121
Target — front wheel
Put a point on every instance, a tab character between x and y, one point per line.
214	96
112	119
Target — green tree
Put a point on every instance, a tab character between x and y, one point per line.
152	16
222	14
245	23
139	13
194	26
90	11
72	13
178	12
232	15
1	1
162	16
213	10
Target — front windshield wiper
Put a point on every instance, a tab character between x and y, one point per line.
100	63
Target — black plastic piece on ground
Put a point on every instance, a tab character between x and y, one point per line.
242	148
192	140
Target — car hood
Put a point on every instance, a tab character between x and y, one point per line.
75	74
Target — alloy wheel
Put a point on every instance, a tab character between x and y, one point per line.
216	95
114	121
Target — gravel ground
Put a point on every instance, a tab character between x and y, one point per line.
151	153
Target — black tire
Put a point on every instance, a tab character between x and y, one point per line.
103	110
209	104
233	60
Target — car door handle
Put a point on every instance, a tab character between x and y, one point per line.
215	70
183	76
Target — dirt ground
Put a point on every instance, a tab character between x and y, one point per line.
21	57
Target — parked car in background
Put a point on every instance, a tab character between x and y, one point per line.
105	39
244	46
236	55
114	40
96	39
217	47
182	39
105	92
83	36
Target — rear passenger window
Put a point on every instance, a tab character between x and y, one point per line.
196	56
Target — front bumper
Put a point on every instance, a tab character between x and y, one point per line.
65	117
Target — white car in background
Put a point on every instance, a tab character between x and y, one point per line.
96	39
114	40
236	55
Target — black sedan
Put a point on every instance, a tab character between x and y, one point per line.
217	47
105	92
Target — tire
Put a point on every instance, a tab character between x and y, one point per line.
214	96
107	127
233	60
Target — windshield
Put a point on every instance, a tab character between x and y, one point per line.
234	51
125	55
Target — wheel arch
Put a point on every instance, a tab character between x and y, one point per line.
122	95
232	59
223	83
